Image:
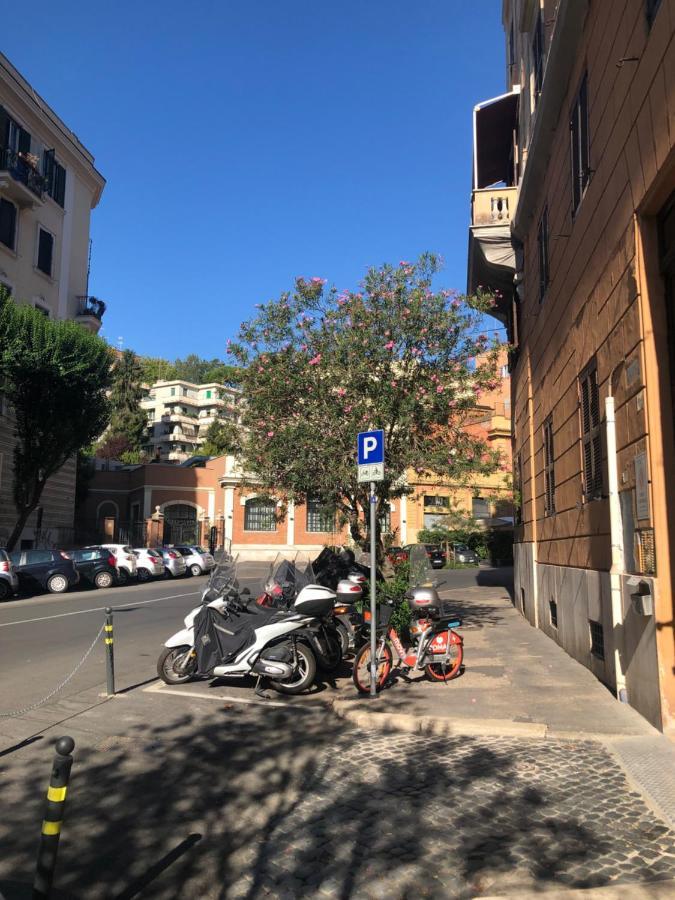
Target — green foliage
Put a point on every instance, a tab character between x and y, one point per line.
394	590
193	368
220	438
55	375
319	365
500	547
128	420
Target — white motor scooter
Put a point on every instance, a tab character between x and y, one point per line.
229	635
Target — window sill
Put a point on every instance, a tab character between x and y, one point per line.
247	531
49	278
8	251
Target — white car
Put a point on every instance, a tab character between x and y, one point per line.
126	560
149	563
197	559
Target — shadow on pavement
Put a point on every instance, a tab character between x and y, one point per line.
290	805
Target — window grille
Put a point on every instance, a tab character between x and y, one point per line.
319	517
553	611
597	639
259	515
590	432
549	470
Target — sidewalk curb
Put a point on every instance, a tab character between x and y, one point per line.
435	725
652	890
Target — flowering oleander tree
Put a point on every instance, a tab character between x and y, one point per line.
320	365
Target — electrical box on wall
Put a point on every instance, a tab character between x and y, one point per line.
641	597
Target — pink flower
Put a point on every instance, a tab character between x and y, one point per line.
403	263
316	360
439	388
341	392
318	280
389	345
348	409
270	434
260	369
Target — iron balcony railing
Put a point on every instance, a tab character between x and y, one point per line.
91	306
22	170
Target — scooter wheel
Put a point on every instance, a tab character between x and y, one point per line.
304	675
344	639
169	658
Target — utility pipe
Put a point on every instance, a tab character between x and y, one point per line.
616	536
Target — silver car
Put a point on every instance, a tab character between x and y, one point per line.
197	559
150	563
9	580
174	562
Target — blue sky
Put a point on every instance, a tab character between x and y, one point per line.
245	142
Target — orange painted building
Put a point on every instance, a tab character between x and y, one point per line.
573	220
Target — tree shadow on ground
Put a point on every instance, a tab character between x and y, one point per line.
289	805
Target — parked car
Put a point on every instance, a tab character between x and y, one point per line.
435	555
396	554
96	565
464	554
126	560
197	559
174	562
149	563
41	570
9	580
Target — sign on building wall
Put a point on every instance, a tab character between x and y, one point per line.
641	487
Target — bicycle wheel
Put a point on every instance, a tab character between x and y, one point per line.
361	670
445	671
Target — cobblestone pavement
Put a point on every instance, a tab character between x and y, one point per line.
457	818
226	802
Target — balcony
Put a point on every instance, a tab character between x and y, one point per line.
89	313
20	178
493	206
494	197
179	418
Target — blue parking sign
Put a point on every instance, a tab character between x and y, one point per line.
370	445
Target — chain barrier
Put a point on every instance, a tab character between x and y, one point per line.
27	709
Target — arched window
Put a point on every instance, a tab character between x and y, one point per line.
259	515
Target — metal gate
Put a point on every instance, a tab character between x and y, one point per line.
180	524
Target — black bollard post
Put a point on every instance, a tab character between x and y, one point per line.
109	653
51	825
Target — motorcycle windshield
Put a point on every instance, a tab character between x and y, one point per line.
223	576
288	575
421	573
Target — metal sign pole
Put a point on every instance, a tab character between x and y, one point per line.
373	579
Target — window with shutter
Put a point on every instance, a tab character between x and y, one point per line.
8	224
580	145
591	434
549	472
45	251
542	242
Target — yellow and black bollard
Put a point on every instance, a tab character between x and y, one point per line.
109	653
53	820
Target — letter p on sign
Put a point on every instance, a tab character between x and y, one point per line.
370	447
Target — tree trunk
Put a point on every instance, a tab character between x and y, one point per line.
24	515
25	511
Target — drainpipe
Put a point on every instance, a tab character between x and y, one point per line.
616	537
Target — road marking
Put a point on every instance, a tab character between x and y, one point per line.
81	612
160	688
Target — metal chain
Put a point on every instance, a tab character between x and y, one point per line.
21	712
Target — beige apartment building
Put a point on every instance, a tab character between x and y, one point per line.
573	220
48	187
179	414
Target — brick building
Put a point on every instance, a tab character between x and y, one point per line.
574	221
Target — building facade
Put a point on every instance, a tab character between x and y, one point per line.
194	496
180	413
574	223
48	188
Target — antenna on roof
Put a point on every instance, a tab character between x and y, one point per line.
120	341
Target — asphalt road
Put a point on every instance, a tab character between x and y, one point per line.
43	638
